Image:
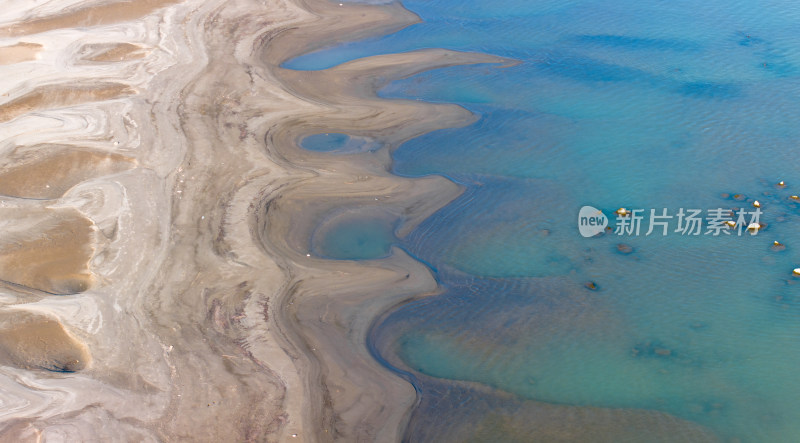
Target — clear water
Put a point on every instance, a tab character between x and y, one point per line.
641	104
337	143
350	238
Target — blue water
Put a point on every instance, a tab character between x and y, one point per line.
642	104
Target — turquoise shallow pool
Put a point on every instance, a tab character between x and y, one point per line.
354	238
642	104
338	143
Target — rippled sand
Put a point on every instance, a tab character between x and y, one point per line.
157	211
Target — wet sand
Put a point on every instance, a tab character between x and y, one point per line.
159	214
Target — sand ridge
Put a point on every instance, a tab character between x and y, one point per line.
113	52
60	95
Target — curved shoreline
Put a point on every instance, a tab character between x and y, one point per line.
330	305
204	318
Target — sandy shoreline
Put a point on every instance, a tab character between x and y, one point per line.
200	315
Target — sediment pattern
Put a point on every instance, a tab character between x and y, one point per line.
158	283
124	315
157	215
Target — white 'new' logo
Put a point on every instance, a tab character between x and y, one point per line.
591	221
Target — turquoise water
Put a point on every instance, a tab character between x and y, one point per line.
338	143
353	238
644	104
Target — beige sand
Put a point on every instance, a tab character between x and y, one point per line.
114	52
57	96
102	13
47	172
46	249
21	52
39	342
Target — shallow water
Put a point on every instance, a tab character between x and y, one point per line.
641	104
337	143
349	236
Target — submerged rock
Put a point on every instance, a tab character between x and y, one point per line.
698	325
624	249
663	352
777	246
651	349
